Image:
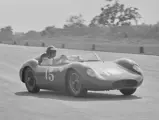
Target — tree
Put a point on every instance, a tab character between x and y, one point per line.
75	21
116	14
43	33
6	33
7	29
48	31
31	33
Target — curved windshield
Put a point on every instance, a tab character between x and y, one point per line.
85	57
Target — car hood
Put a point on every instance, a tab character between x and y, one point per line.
110	70
102	66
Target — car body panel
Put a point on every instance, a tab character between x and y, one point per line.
107	74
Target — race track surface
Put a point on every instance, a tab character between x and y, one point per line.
17	104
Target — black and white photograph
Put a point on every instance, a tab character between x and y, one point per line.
79	60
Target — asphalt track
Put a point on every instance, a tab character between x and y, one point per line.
17	104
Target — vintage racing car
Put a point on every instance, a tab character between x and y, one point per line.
76	74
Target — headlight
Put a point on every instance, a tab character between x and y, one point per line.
91	73
137	68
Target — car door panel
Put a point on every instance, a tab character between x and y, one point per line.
46	76
40	75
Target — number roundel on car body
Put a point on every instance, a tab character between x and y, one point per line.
49	75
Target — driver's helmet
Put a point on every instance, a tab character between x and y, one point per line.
51	49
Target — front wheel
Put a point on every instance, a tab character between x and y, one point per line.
30	81
127	92
73	84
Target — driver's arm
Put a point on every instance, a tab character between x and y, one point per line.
57	59
60	59
41	58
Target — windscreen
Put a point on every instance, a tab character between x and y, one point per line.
84	57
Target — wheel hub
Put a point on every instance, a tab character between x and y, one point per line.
75	83
30	80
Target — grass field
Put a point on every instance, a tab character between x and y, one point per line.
16	103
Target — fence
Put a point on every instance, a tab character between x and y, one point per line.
132	49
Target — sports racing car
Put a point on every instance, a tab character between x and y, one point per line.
76	74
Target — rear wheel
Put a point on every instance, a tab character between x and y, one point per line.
127	92
73	84
30	81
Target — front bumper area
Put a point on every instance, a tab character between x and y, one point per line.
98	84
129	83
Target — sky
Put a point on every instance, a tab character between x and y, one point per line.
25	15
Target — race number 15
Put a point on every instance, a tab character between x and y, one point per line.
49	75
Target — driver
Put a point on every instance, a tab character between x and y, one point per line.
47	58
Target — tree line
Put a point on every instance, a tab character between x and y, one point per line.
113	14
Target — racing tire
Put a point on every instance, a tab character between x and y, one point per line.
30	81
74	80
128	92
